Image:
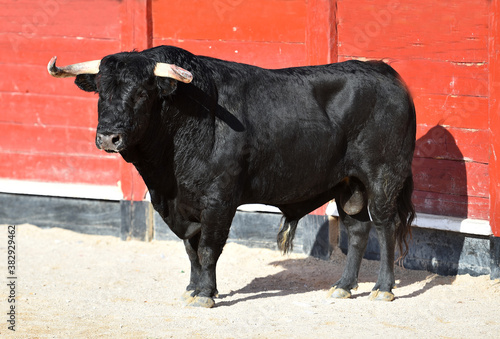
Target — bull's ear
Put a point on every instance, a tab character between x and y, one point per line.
166	86
86	82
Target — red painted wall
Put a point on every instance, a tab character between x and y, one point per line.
494	116
47	126
271	33
447	54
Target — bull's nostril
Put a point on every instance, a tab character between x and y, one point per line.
116	139
109	142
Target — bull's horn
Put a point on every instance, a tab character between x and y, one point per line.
172	71
88	67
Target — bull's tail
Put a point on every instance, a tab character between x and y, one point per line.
406	214
286	235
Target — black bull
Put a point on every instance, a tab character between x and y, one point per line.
209	135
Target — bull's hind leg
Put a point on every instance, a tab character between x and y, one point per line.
386	230
358	229
383	211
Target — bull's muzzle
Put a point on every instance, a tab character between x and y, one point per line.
111	143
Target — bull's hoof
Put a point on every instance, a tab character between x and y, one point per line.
381	296
205	302
338	293
187	298
187	295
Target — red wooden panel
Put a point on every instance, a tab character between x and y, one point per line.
47	110
431	77
26	79
452	143
321	32
41	118
25	70
235	20
60	168
320	210
97	19
132	184
451	177
433	30
39	50
270	55
42	139
440	77
451	110
451	205
494	116
136	26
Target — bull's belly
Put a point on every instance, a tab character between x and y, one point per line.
283	189
296	170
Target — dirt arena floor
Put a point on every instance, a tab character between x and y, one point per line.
71	285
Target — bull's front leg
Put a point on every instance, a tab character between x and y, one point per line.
204	250
191	245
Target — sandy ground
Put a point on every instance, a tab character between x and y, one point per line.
71	285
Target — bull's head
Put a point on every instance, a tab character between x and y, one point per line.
128	85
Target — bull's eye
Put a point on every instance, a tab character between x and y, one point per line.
142	95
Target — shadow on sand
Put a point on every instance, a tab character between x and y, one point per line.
310	274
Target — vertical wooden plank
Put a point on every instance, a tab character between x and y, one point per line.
136	33
494	115
136	25
321	32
